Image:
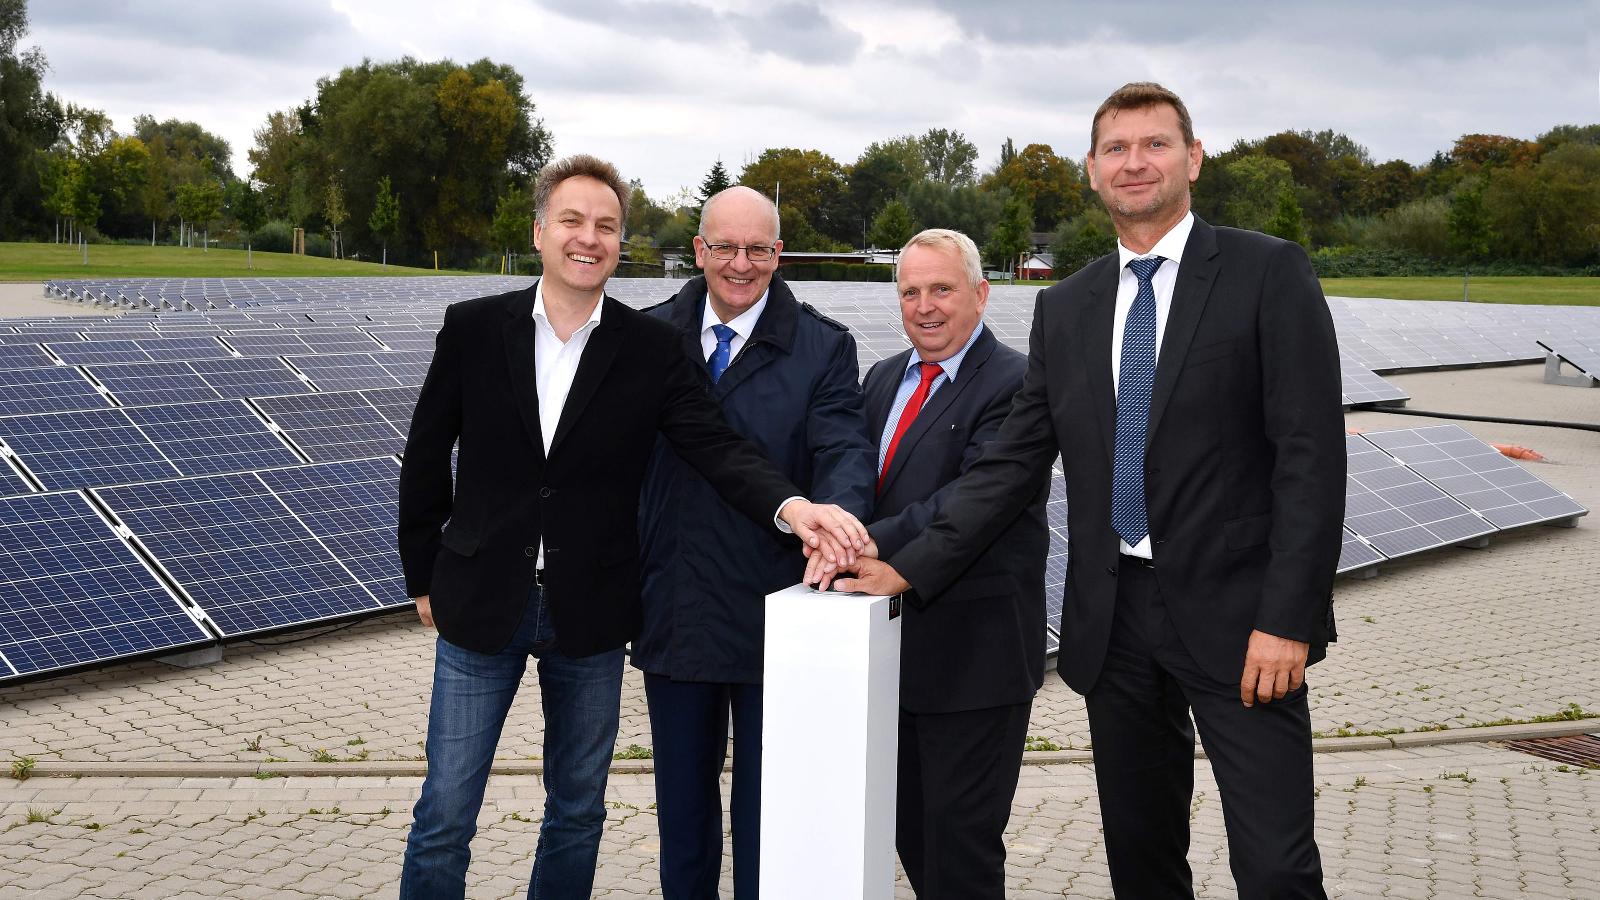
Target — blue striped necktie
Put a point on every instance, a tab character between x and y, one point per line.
719	356
1135	379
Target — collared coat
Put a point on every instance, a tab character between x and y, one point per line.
792	391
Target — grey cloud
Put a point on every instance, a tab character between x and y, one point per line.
1449	30
284	28
799	31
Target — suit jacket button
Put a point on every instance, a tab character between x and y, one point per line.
530	552
544	492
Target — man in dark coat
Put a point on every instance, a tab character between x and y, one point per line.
1194	374
786	379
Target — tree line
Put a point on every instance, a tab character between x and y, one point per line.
403	159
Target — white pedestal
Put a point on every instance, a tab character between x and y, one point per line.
831	697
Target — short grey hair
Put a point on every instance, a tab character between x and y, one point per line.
739	188
579	165
946	239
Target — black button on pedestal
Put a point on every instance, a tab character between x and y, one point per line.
544	492
530	551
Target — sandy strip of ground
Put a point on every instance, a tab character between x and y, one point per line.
28	299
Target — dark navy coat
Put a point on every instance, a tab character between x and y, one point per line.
706	568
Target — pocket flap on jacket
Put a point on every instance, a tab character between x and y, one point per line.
1251	531
459	541
1208	352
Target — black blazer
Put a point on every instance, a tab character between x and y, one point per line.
978	642
1244	466
632	383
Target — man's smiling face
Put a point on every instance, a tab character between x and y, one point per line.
939	304
581	239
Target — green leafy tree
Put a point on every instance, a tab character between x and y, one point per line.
1471	237
1288	222
385	218
812	187
156	196
200	203
948	156
1258	182
1421	227
1012	234
1548	212
1051	185
645	217
1081	240
512	228
965	208
892	228
30	123
336	213
243	203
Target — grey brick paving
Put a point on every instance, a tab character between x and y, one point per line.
1484	822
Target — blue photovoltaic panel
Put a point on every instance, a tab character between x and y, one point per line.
261	377
351	506
1481	477
267	343
1055	563
211	438
73	593
23	356
84	449
1354	553
49	389
12	483
343	371
153	383
99	352
173	348
239	552
1398	511
406	366
396	405
333	426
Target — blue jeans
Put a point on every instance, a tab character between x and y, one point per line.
472	692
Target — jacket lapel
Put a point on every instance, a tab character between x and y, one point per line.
929	418
1096	331
879	395
596	361
1196	274
519	341
772	336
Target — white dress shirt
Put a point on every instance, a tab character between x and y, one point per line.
743	324
555	364
1165	280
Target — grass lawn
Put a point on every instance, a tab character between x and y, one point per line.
1552	291
43	262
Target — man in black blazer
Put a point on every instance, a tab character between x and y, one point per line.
1192	379
972	654
553	397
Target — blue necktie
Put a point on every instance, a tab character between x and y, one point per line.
719	356
1135	379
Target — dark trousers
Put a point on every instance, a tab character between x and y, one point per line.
957	776
689	743
1144	763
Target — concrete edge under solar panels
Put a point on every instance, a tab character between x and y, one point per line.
1553	374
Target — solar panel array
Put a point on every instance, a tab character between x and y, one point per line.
173	435
1580	351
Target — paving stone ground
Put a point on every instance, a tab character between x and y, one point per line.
1452	638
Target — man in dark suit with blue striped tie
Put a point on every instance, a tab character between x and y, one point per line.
1192	377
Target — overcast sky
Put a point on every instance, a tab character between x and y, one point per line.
665	88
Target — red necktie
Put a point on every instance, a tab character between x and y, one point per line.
930	371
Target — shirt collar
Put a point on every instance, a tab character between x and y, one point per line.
1170	246
543	317
743	324
953	364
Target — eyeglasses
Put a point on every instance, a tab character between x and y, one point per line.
754	252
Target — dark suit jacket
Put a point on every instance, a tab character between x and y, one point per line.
1244	465
978	642
793	392
632	383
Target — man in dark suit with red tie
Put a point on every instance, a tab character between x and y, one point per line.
1192	378
971	653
